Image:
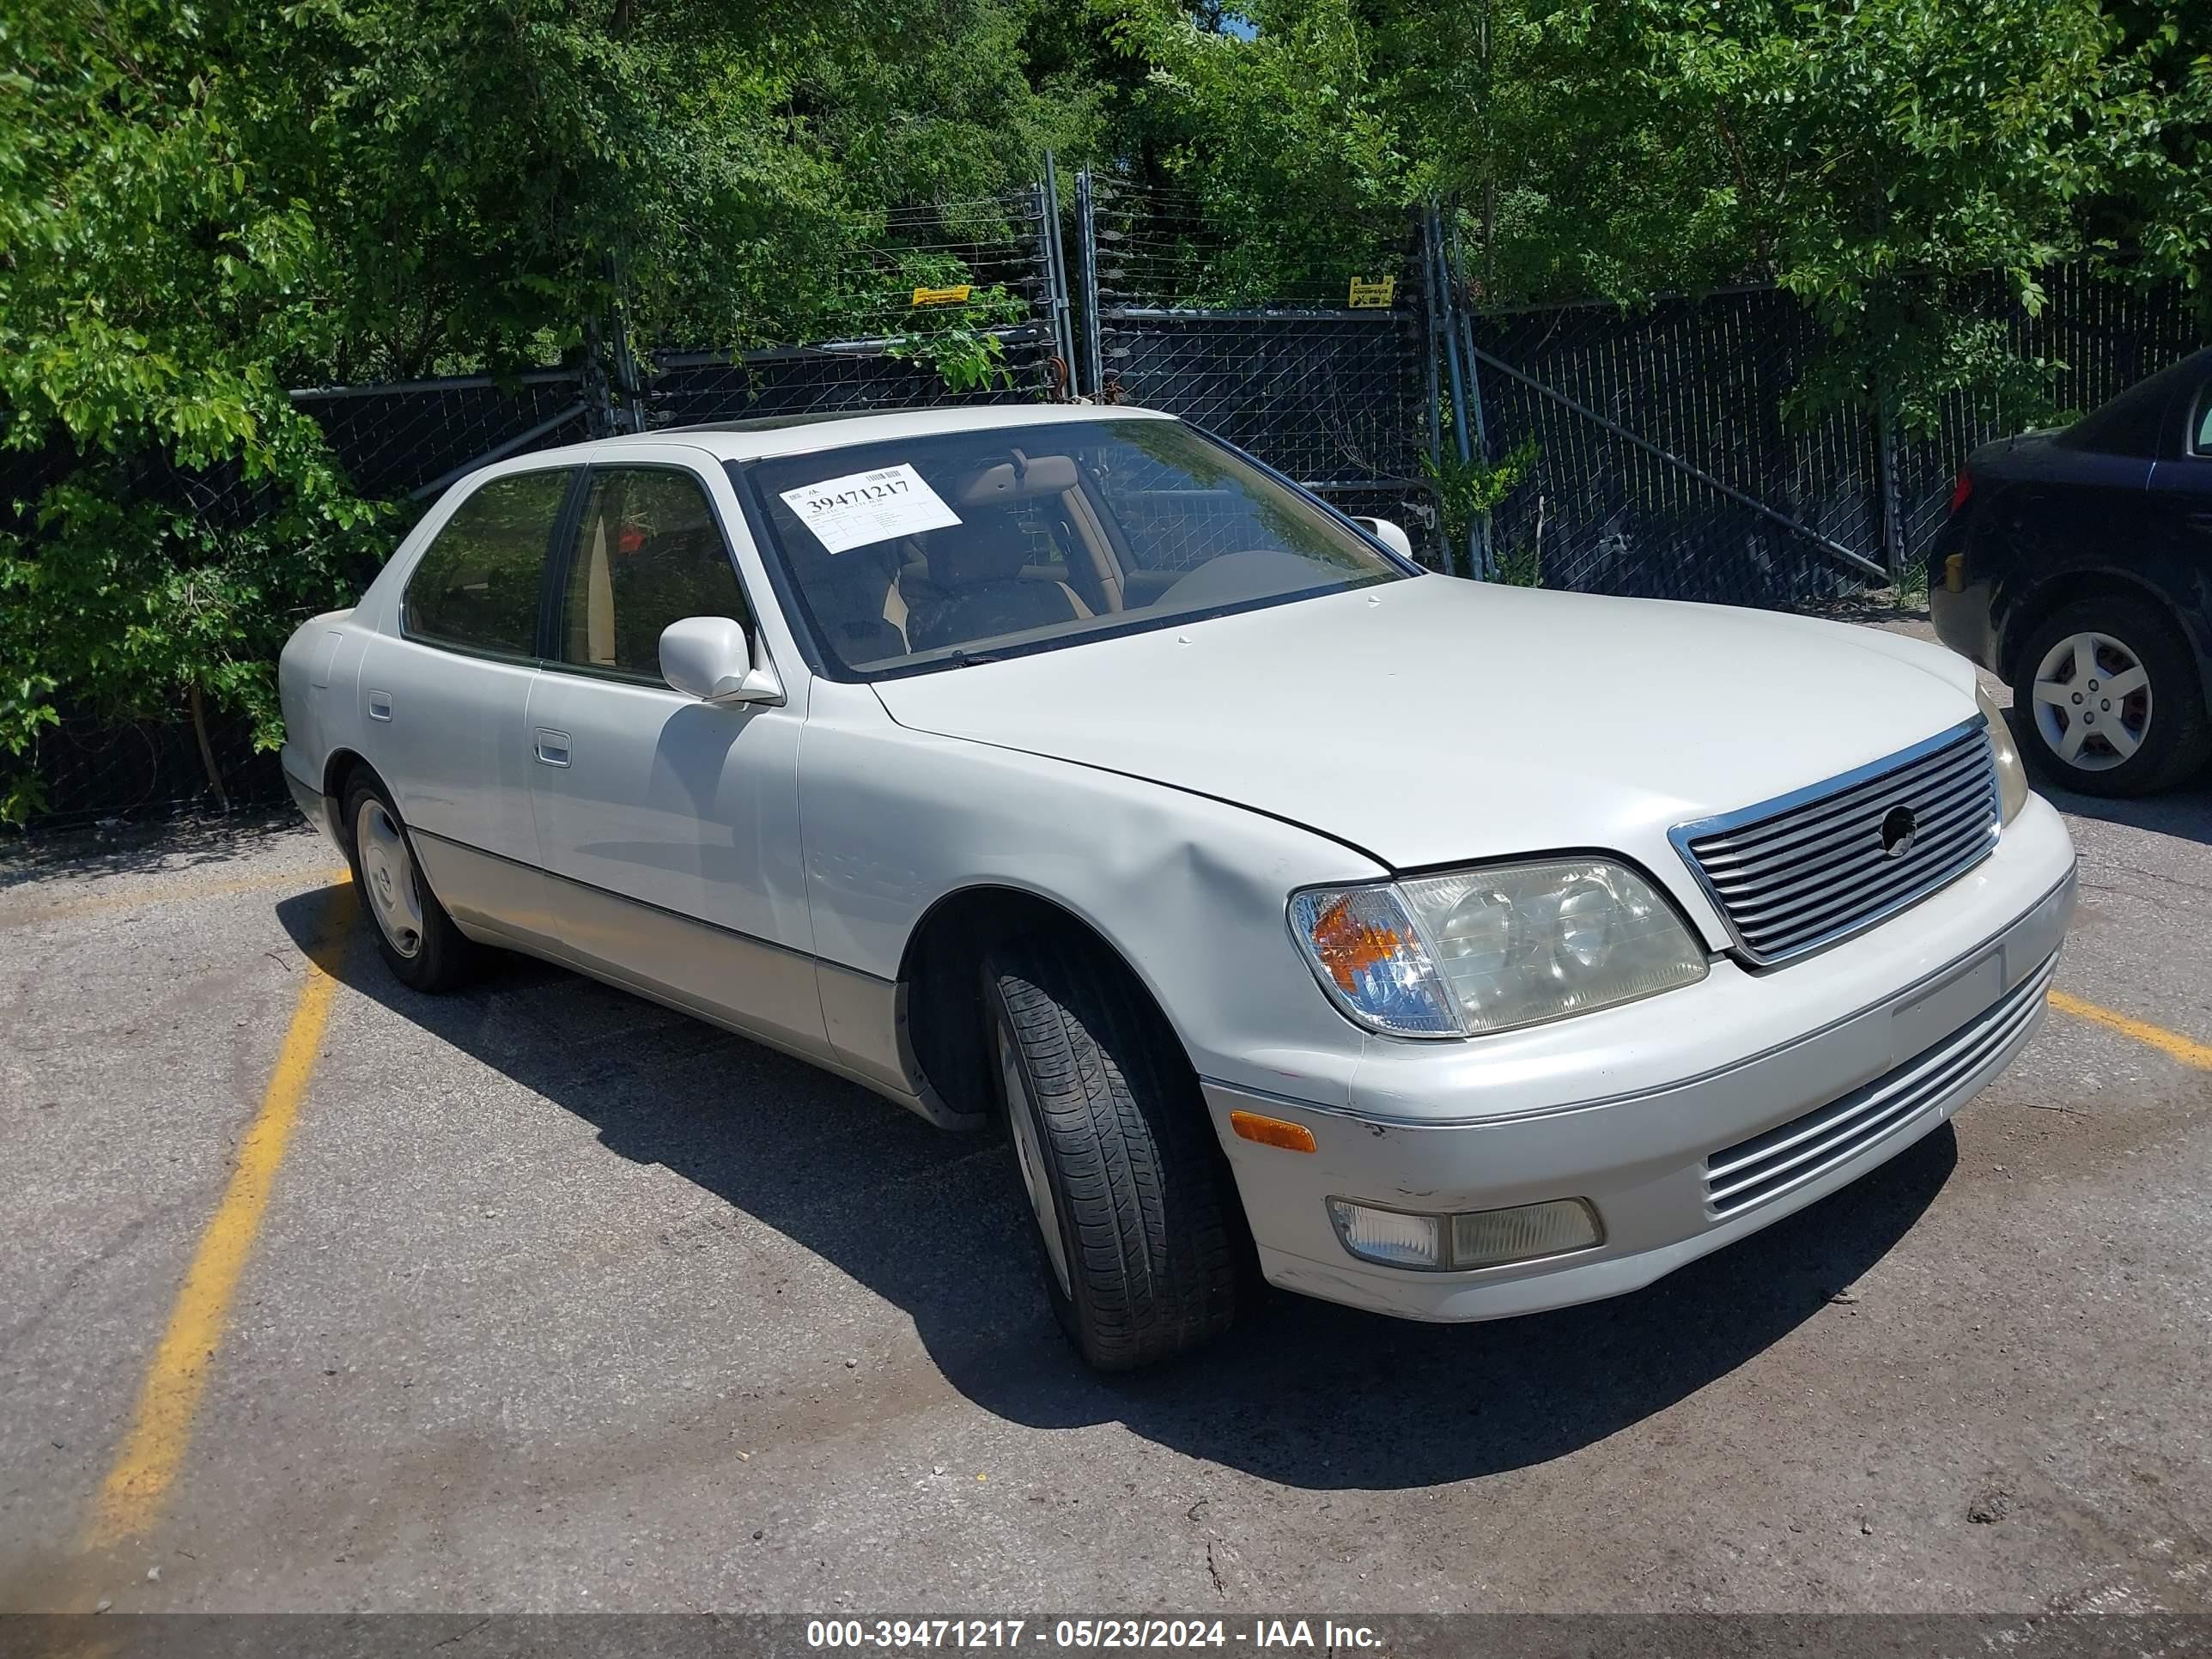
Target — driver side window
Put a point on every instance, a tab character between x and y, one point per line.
647	552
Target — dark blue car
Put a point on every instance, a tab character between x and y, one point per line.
2077	564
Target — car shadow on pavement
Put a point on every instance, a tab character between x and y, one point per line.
170	847
1303	1393
2184	813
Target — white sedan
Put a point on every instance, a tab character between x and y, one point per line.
1446	950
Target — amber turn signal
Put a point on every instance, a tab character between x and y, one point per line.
1272	1132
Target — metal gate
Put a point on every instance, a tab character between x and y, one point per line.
1335	396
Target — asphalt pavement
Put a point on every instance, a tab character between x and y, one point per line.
555	1300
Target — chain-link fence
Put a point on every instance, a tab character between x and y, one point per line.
963	302
958	301
408	441
1334	394
1673	458
950	303
1664	465
1667	457
2104	336
102	773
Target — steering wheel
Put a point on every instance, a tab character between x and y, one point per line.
1254	573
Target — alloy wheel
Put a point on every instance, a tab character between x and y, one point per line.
2092	702
387	870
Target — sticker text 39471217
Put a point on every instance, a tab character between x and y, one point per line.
863	507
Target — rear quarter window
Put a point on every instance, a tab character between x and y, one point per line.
476	587
2140	420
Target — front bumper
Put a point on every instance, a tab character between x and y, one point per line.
1675	1171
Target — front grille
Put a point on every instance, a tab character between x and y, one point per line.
1804	1149
1792	875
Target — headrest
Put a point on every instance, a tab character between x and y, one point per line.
1010	481
991	547
854	572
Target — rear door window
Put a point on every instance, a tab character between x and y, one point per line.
476	587
648	552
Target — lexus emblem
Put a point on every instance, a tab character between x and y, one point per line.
1899	828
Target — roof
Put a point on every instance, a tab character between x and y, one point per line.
791	434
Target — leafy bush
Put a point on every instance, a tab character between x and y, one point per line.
1467	491
955	339
152	290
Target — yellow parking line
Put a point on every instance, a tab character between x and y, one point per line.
161	1426
2187	1050
168	892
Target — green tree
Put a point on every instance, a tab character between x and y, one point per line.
1282	148
150	285
1910	168
202	205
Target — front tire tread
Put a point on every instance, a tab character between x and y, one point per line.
1147	1208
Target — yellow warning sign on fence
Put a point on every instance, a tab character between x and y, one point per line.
1373	296
955	295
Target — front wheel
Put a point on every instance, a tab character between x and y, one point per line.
2109	699
1136	1214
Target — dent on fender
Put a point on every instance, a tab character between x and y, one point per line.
1190	891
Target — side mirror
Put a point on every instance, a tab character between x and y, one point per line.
1390	535
707	658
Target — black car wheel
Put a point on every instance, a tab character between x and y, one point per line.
2109	701
1136	1214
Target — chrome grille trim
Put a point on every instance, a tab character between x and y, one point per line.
1806	870
1781	1159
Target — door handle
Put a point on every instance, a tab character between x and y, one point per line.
2201	521
379	705
551	746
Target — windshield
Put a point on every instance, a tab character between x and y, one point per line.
938	551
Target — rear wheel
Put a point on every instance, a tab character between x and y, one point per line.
2109	699
417	940
1136	1216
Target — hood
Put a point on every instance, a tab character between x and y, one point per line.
1434	720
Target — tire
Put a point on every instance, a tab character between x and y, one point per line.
1138	1224
2152	736
416	939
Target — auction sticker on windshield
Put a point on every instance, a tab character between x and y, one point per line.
864	507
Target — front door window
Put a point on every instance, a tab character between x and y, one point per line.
648	552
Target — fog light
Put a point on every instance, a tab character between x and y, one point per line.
1389	1237
1489	1236
1480	1238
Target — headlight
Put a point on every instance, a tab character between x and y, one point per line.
2012	776
1487	948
